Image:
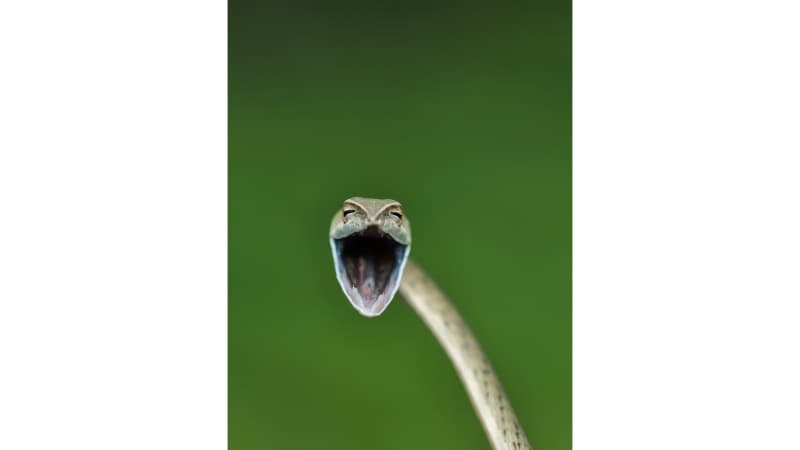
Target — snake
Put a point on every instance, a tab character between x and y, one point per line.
371	240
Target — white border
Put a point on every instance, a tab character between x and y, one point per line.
113	225
687	225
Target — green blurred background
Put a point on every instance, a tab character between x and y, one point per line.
462	112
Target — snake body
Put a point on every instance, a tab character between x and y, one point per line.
371	240
472	365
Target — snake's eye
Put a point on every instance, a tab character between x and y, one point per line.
347	212
396	214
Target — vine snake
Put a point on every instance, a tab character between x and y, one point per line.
370	240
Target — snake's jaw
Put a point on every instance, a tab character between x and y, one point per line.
369	265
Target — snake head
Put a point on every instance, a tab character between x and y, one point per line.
370	240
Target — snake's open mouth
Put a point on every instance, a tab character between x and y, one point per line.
369	264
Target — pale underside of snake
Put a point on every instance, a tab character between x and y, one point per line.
371	240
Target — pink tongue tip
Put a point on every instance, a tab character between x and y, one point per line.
367	291
367	294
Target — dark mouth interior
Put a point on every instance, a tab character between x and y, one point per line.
370	259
